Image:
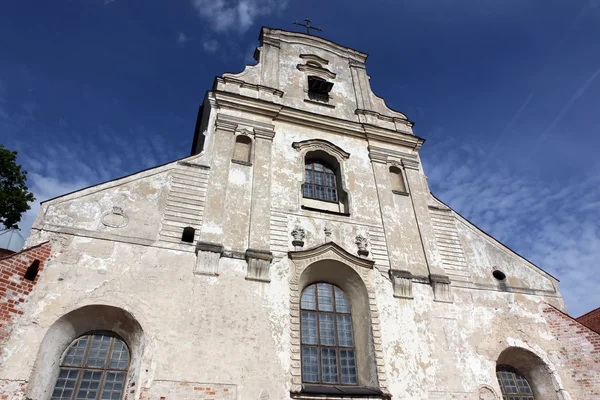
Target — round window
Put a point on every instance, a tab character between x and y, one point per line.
499	275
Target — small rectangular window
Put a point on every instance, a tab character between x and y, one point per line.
318	89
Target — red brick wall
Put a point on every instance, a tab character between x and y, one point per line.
14	288
591	320
580	353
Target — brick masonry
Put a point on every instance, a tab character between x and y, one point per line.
591	320
14	288
580	352
183	390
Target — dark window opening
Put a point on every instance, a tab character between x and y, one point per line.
320	182
513	384
188	235
32	271
328	356
318	89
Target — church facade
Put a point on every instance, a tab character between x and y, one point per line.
297	253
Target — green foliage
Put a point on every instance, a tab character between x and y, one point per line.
14	195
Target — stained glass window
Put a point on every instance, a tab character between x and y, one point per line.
319	182
93	367
513	384
328	355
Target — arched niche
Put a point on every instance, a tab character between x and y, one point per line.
354	275
537	373
91	318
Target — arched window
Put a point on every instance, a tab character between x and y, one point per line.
328	355
94	366
397	180
243	149
320	181
513	384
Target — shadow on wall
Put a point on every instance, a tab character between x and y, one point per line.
84	320
533	369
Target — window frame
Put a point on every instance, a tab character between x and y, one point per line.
337	347
334	174
104	370
515	372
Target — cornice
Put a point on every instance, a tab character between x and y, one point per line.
393	137
234	124
243	84
234	101
389	156
403	120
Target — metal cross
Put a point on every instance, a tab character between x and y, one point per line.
307	25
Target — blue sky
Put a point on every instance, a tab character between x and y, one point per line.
505	92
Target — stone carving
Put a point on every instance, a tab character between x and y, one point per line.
298	235
441	288
259	263
115	218
362	241
486	393
328	231
208	256
402	283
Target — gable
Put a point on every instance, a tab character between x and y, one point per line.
149	206
470	256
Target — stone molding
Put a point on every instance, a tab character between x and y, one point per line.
402	283
329	251
319	144
315	58
225	79
207	260
403	120
259	263
300	261
396	158
227	100
115	218
237	125
441	288
314	70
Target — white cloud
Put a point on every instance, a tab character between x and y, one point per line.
225	15
210	45
552	224
182	39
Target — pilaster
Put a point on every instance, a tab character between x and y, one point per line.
214	208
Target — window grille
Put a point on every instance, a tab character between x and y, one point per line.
320	182
513	384
318	89
94	366
328	355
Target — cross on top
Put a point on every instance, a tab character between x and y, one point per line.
307	25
